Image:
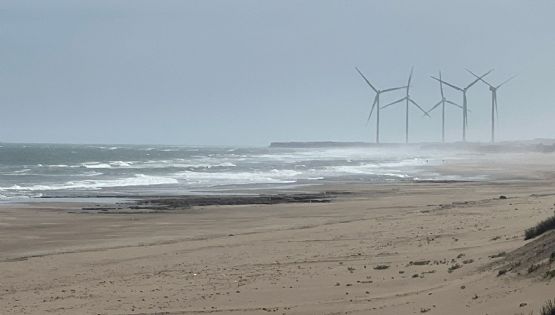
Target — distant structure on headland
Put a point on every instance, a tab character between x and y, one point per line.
536	145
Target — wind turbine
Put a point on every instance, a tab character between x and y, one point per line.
408	100
465	103
493	90
376	103
442	103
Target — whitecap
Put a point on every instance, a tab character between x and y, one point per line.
21	172
121	164
96	165
137	180
228	178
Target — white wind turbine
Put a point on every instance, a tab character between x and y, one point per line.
376	103
465	102
494	111
408	100
442	102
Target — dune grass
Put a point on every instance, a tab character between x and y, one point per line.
540	228
548	308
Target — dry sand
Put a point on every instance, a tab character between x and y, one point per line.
383	249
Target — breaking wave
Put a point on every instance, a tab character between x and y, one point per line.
137	180
180	169
228	178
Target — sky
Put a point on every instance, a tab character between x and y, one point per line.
207	72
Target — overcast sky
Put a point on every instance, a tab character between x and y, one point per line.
250	72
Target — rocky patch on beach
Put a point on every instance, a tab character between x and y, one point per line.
162	204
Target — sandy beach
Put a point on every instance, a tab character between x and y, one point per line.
445	247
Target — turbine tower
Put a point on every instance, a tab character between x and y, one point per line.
376	103
408	100
465	103
493	90
442	103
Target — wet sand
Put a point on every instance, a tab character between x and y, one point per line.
398	248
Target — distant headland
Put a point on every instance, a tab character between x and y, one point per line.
535	145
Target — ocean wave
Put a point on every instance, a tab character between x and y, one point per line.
228	178
137	180
111	164
19	197
194	168
92	173
367	169
199	165
180	163
96	165
155	164
24	171
121	164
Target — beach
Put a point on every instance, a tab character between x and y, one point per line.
433	247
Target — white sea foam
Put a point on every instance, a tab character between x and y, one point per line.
155	164
96	165
393	169
180	163
111	164
137	180
121	164
229	178
20	172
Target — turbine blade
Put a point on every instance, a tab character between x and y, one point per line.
414	103
478	79
394	89
454	104
448	84
506	81
441	86
393	103
365	79
373	107
435	106
410	76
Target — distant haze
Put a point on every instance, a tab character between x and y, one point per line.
250	72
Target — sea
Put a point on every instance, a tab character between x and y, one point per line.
30	171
